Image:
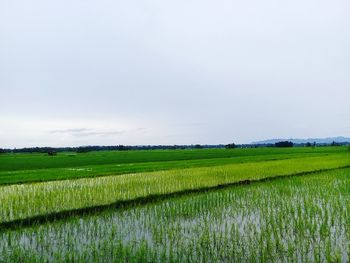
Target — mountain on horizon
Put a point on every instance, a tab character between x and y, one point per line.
328	140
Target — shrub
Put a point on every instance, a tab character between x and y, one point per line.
284	144
230	146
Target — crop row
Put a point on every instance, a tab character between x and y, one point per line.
12	162
54	174
304	219
29	200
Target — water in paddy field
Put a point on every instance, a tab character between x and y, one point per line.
298	219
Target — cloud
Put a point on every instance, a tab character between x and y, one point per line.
85	132
99	133
79	130
188	71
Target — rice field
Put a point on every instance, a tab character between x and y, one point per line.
294	209
33	161
27	168
29	200
303	219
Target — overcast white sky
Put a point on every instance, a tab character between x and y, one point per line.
172	72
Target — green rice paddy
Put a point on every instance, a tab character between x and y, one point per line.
26	168
267	205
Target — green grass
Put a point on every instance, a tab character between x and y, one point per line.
26	168
41	175
29	200
295	219
27	161
288	218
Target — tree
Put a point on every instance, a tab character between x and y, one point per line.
122	148
230	146
284	144
51	153
334	144
308	144
2	151
83	149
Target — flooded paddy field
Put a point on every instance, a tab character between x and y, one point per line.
302	218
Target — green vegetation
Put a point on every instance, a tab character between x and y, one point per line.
27	161
25	168
302	219
42	175
22	201
219	205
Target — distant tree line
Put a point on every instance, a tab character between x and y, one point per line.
84	149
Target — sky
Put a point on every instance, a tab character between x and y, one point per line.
109	72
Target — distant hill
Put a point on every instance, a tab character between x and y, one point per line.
328	140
